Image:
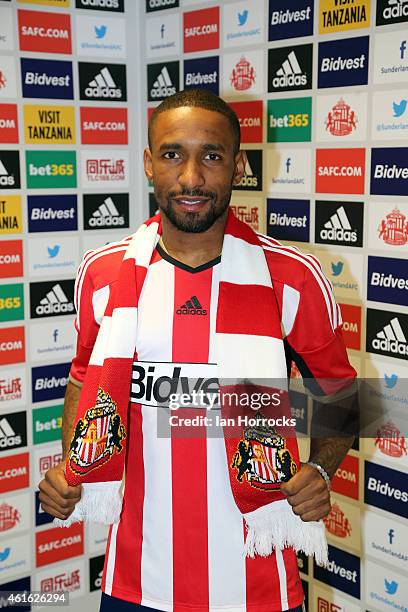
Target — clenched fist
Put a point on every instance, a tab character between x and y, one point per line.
56	496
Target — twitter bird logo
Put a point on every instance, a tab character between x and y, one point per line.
390	381
337	268
53	251
242	17
5	553
399	109
101	31
390	587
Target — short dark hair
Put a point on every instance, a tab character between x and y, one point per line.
201	98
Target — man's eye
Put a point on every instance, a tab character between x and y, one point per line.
171	155
213	156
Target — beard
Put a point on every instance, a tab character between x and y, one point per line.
194	222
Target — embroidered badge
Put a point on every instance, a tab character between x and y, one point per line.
96	436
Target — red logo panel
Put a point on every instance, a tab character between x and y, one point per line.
14	472
8	123
202	30
340	170
46	32
59	543
11	258
250	116
12	345
346	478
351	329
104	125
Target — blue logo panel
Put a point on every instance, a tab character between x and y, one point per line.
389	171
342	572
290	19
52	213
47	79
41	517
288	219
202	73
49	382
343	62
388	280
386	488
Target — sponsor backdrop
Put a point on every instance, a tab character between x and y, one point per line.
320	89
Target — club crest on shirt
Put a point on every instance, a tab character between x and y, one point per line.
262	458
96	436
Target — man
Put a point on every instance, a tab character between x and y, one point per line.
178	544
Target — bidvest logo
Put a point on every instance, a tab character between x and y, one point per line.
391	11
59	543
12	345
13	430
9	170
334	17
346	478
99	168
8	73
243	23
14	472
47	79
100	36
12	387
340	170
389	171
250	120
11	302
50	299
51	169
288	219
160	5
44	32
202	73
114	6
11	258
163	80
47	423
104	125
388	280
351	328
387	333
252	179
201	30
339	223
52	213
49	124
108	211
290	120
49	382
102	82
342	571
290	68
386	488
8	124
344	62
10	215
290	22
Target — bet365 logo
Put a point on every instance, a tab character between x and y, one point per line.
51	169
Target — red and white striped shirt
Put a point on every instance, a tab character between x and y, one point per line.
179	543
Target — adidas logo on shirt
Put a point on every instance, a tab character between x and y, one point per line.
163	85
55	302
106	215
391	339
249	179
6	180
103	86
191	307
338	228
8	436
290	74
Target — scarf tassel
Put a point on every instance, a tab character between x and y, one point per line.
276	526
101	502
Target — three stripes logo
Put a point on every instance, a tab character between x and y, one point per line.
8	436
104	82
191	307
9	170
338	228
13	430
387	333
163	80
103	86
339	223
252	179
106	211
106	215
290	68
51	298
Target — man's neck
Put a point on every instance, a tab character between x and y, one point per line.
193	249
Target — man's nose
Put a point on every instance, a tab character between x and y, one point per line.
191	175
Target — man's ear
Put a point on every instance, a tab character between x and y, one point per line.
240	163
148	163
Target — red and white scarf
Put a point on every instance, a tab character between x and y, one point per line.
249	349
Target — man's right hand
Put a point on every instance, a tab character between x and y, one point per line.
56	496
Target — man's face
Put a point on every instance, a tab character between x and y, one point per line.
193	166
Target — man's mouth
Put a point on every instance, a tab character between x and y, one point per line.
191	203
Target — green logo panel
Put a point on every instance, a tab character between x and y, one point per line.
11	302
290	120
47	424
55	169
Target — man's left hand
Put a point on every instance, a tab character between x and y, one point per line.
308	494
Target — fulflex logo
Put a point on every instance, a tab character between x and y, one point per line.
391	11
386	488
49	299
